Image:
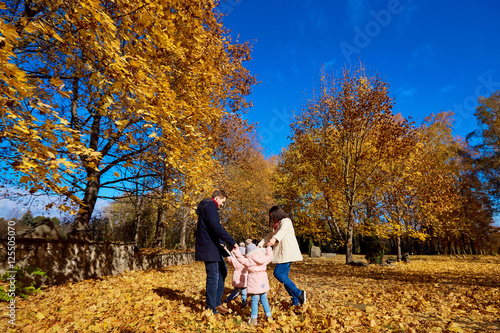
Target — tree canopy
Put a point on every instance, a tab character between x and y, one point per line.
87	87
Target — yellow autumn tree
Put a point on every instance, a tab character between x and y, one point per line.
344	136
313	205
487	143
455	207
436	176
474	231
244	172
99	83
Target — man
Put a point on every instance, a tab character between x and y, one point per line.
208	248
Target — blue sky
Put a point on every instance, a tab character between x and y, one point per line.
435	55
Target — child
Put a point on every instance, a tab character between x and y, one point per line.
255	261
243	248
239	279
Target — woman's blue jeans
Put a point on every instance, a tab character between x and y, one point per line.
216	274
281	272
255	305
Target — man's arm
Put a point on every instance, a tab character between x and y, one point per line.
214	221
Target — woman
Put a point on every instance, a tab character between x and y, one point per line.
285	252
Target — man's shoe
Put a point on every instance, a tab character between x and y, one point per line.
302	297
244	304
222	309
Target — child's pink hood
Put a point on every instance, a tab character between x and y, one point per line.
258	256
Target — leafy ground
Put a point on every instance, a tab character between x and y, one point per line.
431	294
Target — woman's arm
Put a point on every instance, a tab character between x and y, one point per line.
266	239
285	227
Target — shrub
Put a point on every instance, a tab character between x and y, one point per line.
22	287
374	250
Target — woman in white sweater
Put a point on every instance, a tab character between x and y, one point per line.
286	250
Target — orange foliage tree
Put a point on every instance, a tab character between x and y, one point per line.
488	146
89	86
343	138
245	174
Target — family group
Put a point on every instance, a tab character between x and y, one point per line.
213	244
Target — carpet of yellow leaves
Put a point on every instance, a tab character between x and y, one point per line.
431	294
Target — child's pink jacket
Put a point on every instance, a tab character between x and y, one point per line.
256	262
240	274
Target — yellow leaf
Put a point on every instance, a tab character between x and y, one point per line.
370	309
24	179
56	36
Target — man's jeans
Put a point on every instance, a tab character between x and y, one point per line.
281	272
216	274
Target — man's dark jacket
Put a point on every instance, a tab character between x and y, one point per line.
210	233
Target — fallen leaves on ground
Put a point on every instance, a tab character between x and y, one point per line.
432	294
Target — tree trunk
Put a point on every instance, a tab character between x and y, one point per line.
349	238
182	240
472	247
136	230
160	227
81	224
440	247
399	256
139	206
162	213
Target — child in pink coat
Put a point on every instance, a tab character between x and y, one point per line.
239	279
256	261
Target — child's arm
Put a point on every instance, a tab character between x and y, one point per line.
266	239
231	259
269	254
242	260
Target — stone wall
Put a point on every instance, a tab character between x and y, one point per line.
65	260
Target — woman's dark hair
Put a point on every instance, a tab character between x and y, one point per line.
277	213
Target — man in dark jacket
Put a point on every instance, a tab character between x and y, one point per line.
210	234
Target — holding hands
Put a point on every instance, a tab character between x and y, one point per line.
271	242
